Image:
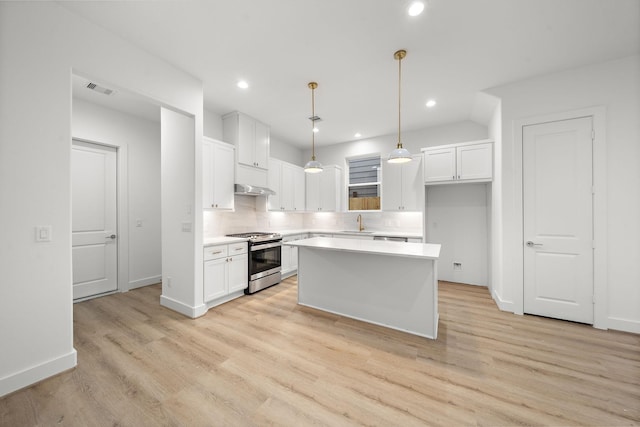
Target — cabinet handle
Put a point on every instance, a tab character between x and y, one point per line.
453	177
237	249
216	253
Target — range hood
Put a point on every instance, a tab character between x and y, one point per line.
253	190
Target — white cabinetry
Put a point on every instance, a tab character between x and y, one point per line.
466	162
217	174
324	190
226	271
290	255
403	186
251	139
288	181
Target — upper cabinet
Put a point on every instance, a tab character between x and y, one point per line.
403	186
288	182
324	190
466	162
251	139
217	174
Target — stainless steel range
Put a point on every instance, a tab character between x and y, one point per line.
265	258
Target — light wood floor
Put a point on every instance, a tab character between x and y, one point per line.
263	360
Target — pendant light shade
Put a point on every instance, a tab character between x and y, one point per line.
313	166
399	154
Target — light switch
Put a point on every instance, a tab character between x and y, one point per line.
43	233
186	227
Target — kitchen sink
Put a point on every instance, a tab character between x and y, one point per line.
356	232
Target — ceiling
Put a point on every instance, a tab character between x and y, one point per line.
455	49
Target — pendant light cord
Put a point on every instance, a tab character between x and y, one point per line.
399	97
313	123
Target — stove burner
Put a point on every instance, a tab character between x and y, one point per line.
257	236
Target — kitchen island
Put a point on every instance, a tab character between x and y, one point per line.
393	284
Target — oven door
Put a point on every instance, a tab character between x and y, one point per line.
265	259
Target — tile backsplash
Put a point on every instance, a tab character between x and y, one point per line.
250	215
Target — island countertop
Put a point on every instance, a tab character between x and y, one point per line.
401	249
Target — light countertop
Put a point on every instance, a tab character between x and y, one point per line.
402	249
222	240
366	232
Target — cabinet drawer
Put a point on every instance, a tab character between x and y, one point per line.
237	248
215	252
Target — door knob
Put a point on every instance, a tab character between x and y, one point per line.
112	237
531	244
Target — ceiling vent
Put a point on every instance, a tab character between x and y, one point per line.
103	90
315	119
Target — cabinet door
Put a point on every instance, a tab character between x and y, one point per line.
274	178
391	186
440	165
246	140
215	279
474	161
313	191
412	185
261	145
286	259
238	266
287	186
207	174
223	176
299	187
327	190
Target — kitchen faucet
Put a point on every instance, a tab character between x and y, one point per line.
359	220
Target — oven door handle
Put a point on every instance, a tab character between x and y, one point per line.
265	246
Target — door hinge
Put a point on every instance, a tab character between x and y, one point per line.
593	134
593	299
593	244
593	189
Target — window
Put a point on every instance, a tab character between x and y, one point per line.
364	183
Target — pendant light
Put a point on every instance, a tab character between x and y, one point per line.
313	166
399	154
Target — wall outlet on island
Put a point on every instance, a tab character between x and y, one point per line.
457	266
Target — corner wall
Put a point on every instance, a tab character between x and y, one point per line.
43	42
98	124
616	86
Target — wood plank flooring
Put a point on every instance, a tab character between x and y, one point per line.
264	360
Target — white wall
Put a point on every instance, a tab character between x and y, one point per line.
616	86
212	125
286	152
41	44
456	217
141	138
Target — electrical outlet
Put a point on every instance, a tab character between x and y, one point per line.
43	233
168	281
457	266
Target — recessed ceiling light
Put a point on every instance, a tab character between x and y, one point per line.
357	135
242	84
316	130
431	103
415	8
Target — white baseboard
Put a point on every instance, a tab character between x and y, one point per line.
502	304
145	282
37	373
625	325
183	308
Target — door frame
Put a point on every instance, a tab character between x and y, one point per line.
599	170
122	210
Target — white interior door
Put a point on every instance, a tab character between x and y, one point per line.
94	227
558	219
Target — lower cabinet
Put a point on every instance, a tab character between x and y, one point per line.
226	272
290	255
